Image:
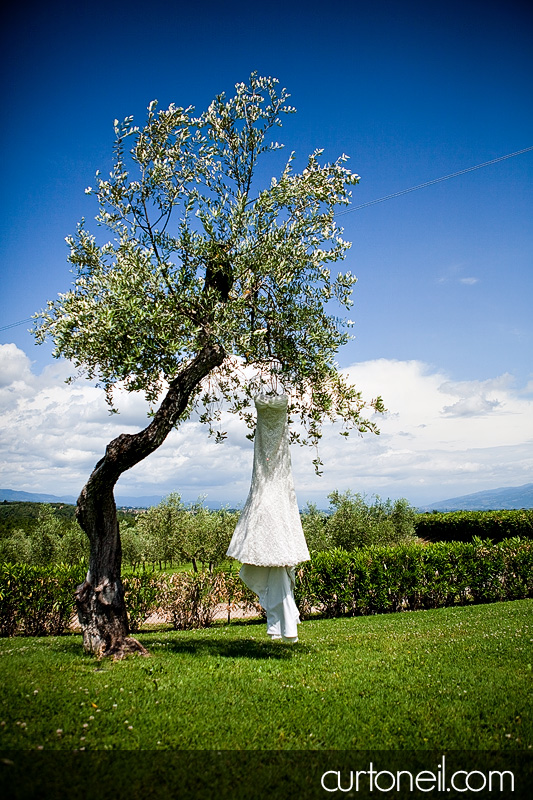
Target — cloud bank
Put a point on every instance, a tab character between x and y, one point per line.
439	438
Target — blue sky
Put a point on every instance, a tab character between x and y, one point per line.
411	92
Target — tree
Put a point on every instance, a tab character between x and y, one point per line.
357	523
46	537
207	285
205	535
160	529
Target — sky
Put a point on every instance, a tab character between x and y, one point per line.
412	92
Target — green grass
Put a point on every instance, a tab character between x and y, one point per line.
454	678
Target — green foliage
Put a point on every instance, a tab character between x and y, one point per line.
170	533
22	515
377	580
160	530
16	548
353	522
205	536
199	253
462	526
370	580
51	538
189	599
142	592
74	546
37	601
315	527
46	537
175	533
134	546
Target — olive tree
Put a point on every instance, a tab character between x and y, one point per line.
209	280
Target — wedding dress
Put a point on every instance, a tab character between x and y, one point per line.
269	539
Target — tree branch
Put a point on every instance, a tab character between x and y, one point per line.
127	450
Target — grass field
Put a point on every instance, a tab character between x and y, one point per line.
455	678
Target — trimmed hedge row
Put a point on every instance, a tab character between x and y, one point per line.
463	526
378	580
38	601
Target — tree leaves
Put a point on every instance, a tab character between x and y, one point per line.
198	253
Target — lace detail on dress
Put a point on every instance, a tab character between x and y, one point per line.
269	531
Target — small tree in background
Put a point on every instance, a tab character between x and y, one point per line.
46	537
357	523
205	535
315	526
206	273
160	530
16	548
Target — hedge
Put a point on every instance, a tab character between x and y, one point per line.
39	601
463	526
378	580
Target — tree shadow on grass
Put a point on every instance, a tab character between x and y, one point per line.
171	641
241	648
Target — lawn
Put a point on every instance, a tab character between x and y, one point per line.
453	678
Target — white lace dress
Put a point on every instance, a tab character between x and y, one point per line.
268	538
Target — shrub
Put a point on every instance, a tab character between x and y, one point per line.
141	594
189	599
325	580
37	601
370	580
74	545
16	549
134	546
315	527
356	523
463	526
411	577
46	538
233	593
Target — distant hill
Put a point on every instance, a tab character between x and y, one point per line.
493	499
490	500
32	497
123	502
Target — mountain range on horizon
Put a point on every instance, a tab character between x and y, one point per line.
509	497
146	501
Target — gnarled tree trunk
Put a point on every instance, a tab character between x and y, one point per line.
100	598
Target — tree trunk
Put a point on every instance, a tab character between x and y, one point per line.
100	598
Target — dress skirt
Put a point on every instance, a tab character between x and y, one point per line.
269	531
274	587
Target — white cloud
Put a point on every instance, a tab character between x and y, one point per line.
15	366
452	274
439	438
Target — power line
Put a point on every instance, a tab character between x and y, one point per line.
14	324
431	183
